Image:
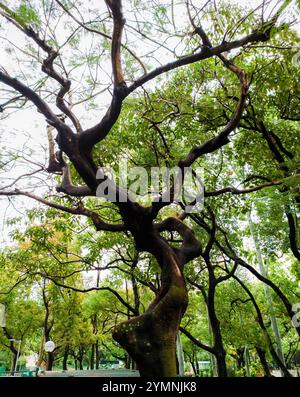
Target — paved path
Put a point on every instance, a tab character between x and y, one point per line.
101	373
277	373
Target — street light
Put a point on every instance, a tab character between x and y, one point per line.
18	352
3	325
2	316
49	346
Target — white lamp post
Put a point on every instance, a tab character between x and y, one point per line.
18	352
49	346
2	316
3	325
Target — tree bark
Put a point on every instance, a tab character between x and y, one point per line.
240	359
12	348
262	357
127	361
13	362
219	351
194	367
49	361
97	354
65	359
150	338
260	321
92	360
41	352
80	358
75	363
81	364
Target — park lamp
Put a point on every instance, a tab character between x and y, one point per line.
2	316
49	346
3	325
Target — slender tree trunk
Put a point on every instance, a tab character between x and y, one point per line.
260	320
220	353
197	367
247	361
80	358
15	352
134	366
65	359
41	351
127	361
180	355
47	328
97	354
81	363
194	367
13	362
240	359
94	350
49	361
213	360
92	360
262	357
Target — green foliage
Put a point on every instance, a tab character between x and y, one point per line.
27	14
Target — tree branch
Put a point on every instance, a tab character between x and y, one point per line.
33	97
48	65
190	247
116	8
196	341
117	295
70	189
236	191
80	210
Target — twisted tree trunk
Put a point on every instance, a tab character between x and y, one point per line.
150	338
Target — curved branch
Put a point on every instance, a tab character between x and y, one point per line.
196	341
53	166
48	65
80	210
105	35
116	8
117	295
236	191
222	138
212	236
33	97
91	136
190	247
263	327
231	254
292	232
70	189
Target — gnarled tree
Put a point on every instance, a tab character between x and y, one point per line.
149	338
